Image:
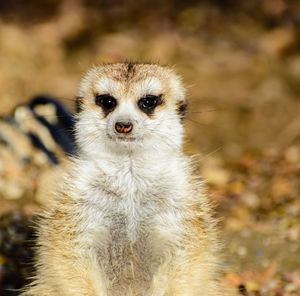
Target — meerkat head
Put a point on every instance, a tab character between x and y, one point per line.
125	107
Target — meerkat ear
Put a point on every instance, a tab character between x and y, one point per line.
78	104
182	107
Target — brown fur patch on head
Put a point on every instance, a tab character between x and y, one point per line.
78	104
131	70
182	109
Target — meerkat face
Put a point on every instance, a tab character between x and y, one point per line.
130	106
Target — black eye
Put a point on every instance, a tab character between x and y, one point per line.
148	103
107	102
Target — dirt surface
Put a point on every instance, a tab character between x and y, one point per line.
240	61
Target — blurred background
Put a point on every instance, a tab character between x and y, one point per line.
240	62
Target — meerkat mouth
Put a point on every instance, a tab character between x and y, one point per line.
127	139
123	138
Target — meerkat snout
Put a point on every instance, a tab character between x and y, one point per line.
123	127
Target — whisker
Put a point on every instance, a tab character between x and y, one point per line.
196	122
205	111
211	153
67	99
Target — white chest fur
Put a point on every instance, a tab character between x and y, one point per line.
131	213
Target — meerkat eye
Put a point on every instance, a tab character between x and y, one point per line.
149	102
107	102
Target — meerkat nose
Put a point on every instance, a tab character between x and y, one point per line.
123	127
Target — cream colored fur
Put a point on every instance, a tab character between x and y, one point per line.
130	217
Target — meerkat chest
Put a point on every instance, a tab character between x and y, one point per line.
129	258
131	219
132	231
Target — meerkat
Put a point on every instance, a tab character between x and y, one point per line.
131	217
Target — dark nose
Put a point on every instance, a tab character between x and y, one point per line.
123	127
